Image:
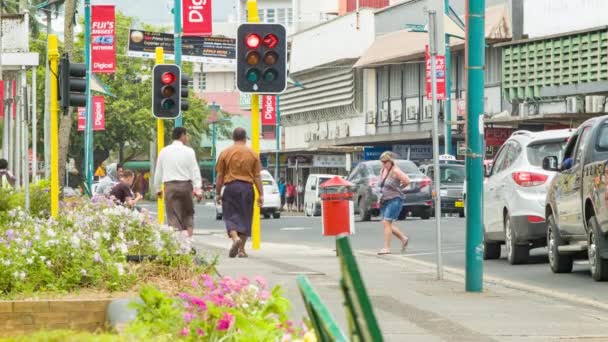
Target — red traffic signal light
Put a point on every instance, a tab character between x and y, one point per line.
168	78
253	41
271	41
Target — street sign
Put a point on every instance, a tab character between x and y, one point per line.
99	116
415	27
197	18
440	72
103	39
269	110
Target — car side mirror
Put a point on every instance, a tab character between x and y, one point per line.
314	188
550	163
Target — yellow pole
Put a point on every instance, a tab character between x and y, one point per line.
160	143
54	112
252	17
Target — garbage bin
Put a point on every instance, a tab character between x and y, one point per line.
337	209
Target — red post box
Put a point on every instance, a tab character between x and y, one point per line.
337	208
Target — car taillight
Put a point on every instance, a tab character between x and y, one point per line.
527	179
426	181
535	219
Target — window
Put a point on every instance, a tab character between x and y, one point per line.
202	83
282	16
582	142
261	15
396	111
538	151
271	15
289	17
602	139
500	158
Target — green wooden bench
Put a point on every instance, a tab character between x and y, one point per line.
362	323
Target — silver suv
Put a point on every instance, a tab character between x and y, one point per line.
515	190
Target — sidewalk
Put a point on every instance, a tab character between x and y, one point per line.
410	304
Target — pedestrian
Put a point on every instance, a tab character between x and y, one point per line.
291	196
282	192
392	179
177	169
7	180
107	183
300	191
238	170
122	192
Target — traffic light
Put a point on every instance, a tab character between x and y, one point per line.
72	83
166	91
261	58
184	92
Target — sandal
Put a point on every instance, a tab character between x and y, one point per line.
234	250
384	251
242	254
404	244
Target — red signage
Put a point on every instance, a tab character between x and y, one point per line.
439	71
103	39
269	110
497	136
197	18
99	116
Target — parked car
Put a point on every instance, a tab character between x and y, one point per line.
451	178
487	167
418	194
272	199
312	193
577	201
515	194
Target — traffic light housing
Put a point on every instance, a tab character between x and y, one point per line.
184	104
72	83
166	91
261	58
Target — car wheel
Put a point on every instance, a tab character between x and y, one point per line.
426	213
266	216
491	250
461	213
599	266
559	263
276	214
363	214
516	254
218	216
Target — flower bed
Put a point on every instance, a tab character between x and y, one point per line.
86	247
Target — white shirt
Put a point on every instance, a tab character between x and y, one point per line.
177	162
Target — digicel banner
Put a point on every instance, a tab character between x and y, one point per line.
103	39
196	18
269	110
99	116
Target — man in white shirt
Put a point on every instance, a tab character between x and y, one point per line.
178	170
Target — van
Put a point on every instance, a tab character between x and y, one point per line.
272	199
312	194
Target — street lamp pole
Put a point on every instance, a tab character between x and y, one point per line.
448	88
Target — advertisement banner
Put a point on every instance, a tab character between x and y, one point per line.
103	39
99	116
213	50
269	110
440	71
197	18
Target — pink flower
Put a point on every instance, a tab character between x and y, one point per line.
245	282
200	332
226	322
188	317
264	295
261	282
199	302
194	284
184	332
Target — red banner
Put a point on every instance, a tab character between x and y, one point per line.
103	39
1	99
439	71
269	110
197	18
99	116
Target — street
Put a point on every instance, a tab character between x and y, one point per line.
368	239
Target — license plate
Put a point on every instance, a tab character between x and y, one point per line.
459	204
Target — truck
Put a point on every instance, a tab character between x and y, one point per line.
577	201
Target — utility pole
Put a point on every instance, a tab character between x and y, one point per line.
88	134
53	53
160	143
278	138
24	139
34	128
448	89
252	17
475	58
437	171
177	36
47	133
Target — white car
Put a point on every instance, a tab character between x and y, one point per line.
272	199
515	194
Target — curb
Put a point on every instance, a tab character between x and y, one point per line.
458	275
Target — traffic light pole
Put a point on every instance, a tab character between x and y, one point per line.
448	88
475	57
88	134
160	143
177	36
53	53
252	17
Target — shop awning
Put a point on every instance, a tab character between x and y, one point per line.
403	45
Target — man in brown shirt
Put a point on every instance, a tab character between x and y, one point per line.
238	170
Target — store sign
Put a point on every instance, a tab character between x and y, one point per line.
269	110
103	39
299	161
439	71
197	18
373	153
332	160
414	152
99	117
497	136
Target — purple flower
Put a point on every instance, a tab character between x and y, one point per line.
10	234
97	257
225	322
188	317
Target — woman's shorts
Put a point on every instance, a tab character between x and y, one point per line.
391	209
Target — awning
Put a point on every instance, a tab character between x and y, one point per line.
403	45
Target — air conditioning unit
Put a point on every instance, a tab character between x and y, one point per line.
307	136
594	104
346	130
315	137
383	115
412	113
370	117
574	104
428	111
396	117
533	109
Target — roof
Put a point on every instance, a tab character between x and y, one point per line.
403	45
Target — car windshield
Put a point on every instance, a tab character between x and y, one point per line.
323	180
405	165
452	174
538	151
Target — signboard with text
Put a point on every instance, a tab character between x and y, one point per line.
439	71
269	110
213	50
197	18
99	116
103	39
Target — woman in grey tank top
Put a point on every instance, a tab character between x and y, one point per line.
392	179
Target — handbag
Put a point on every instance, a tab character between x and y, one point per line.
380	200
